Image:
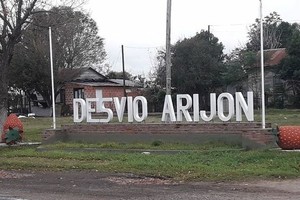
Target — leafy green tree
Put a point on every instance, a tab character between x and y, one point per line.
76	44
239	63
159	73
289	68
287	30
119	75
155	97
234	67
197	65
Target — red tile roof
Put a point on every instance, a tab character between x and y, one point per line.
273	57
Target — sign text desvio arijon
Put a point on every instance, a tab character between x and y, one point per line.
137	109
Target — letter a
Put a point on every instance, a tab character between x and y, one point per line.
168	109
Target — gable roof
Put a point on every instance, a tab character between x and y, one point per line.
112	83
80	75
128	83
273	57
89	76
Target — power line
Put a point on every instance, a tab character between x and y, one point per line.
116	60
141	47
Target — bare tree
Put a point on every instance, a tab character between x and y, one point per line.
272	33
76	44
15	16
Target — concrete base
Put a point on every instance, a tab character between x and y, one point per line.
247	135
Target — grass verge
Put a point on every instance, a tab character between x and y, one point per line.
208	162
200	165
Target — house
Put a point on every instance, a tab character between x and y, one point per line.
88	83
273	84
274	92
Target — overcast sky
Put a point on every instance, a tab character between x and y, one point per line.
140	25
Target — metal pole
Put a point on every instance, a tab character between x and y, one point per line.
123	67
52	79
262	68
168	49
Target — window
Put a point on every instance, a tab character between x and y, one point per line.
62	96
78	93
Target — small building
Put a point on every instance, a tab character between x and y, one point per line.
274	94
88	83
274	86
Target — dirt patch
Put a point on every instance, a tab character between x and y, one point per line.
140	180
12	174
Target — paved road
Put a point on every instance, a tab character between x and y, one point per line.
78	185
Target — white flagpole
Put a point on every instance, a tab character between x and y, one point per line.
52	79
262	68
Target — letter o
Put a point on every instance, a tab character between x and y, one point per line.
221	102
144	103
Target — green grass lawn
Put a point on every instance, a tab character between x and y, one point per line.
34	127
282	117
211	161
208	165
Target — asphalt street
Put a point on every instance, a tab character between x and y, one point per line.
92	185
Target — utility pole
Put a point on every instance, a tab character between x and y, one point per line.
168	49
263	112
123	66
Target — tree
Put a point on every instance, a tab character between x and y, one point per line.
289	68
76	44
276	33
238	64
272	33
287	31
159	73
15	16
234	68
197	64
155	97
76	40
119	75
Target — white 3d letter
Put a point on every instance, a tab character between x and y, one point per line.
230	99
143	101
129	109
240	104
196	107
168	109
76	103
120	107
108	111
90	110
213	109
183	110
